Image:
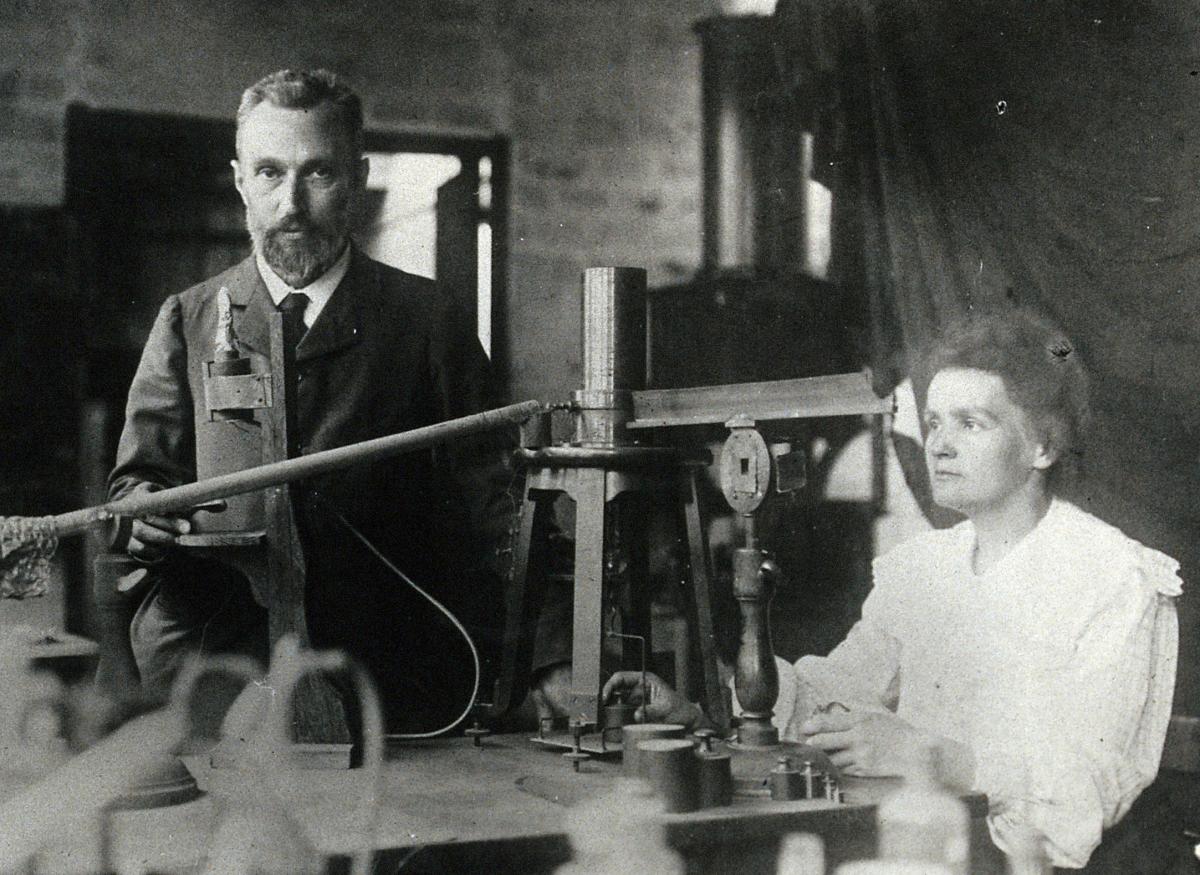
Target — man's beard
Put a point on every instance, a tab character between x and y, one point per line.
298	260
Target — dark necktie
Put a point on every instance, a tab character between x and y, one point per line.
293	307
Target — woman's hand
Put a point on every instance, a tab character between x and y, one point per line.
869	743
879	744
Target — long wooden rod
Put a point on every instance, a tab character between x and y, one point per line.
189	495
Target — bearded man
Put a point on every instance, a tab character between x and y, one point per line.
383	351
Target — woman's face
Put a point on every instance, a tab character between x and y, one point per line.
980	447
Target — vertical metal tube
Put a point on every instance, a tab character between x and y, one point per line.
614	353
614	329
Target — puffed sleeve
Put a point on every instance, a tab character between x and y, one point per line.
1084	721
157	445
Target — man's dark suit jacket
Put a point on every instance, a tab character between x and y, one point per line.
387	353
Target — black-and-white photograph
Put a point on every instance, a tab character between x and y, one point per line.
579	437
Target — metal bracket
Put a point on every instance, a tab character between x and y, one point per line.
745	469
237	392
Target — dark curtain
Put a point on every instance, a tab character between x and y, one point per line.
1039	153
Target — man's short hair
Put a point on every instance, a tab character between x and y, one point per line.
304	89
1042	371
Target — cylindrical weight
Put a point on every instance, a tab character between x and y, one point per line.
716	779
786	782
671	767
618	714
634	733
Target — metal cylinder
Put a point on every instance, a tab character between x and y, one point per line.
672	769
614	329
614	353
787	783
618	714
634	733
226	447
715	772
810	780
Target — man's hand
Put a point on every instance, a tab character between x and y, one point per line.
152	536
148	538
551	693
868	743
658	702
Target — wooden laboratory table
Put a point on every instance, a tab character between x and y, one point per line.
448	806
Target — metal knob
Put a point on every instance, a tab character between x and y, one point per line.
576	754
706	737
477	733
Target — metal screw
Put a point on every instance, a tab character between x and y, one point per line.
477	733
576	755
830	788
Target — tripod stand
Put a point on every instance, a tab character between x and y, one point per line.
608	467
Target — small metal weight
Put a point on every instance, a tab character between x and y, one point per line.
671	767
633	734
787	782
715	772
618	714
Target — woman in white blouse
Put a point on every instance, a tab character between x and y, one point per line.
1032	644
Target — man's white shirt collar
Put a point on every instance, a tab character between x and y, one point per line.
319	291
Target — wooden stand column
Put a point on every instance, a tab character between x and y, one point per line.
272	558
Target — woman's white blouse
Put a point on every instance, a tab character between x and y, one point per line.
1056	667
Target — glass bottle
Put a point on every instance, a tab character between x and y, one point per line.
922	821
801	853
618	833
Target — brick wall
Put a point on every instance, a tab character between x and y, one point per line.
600	99
606	134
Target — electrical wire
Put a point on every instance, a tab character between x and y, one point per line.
409	736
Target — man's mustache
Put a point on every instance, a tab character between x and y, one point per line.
294	224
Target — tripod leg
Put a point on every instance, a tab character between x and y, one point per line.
588	619
628	560
700	614
526	596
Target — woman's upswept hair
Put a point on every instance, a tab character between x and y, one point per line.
304	89
1042	371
